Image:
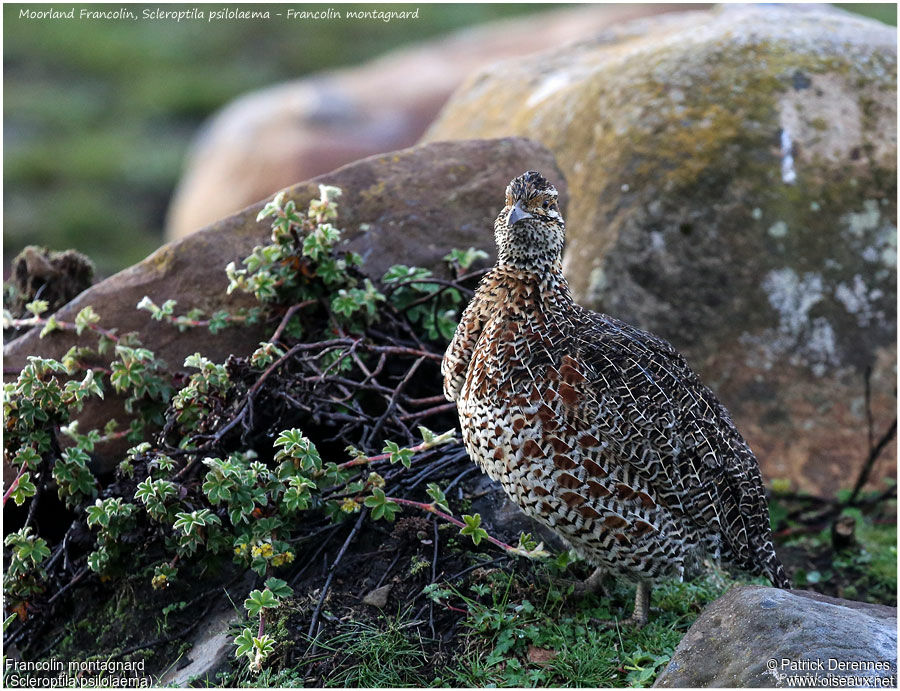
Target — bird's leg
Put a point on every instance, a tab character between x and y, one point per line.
641	610
641	605
594	582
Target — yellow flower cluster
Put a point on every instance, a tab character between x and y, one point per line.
283	558
264	550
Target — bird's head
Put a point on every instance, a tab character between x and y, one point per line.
530	231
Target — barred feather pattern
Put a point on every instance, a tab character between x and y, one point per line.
596	428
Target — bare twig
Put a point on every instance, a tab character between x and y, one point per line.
333	568
431	508
393	401
291	311
434	559
15	483
332	531
78	576
446	408
874	453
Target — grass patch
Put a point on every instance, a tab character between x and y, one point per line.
864	570
519	626
389	653
519	634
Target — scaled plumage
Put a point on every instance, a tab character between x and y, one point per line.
594	427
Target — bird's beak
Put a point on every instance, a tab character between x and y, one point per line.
516	214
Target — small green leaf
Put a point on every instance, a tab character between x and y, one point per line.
381	506
37	307
297	448
24	489
465	258
398	455
51	326
473	528
437	496
279	587
27	456
244	643
85	318
259	600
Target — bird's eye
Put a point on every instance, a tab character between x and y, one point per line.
546	204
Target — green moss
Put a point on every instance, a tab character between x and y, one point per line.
374	193
707	135
727	116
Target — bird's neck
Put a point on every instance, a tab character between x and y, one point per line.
544	289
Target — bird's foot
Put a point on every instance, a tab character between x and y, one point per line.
634	623
641	610
592	585
578	588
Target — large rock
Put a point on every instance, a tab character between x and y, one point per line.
407	207
733	188
758	637
272	138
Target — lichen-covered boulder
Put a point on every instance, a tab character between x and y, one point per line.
764	637
271	138
733	188
407	207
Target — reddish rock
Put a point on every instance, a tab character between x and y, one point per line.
415	205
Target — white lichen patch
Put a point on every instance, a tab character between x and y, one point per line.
793	297
820	348
889	249
859	301
548	87
858	223
875	228
788	174
597	284
778	229
804	340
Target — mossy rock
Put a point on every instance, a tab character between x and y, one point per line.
733	188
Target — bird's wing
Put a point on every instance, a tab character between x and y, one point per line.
672	430
458	355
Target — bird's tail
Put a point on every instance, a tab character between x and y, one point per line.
772	567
